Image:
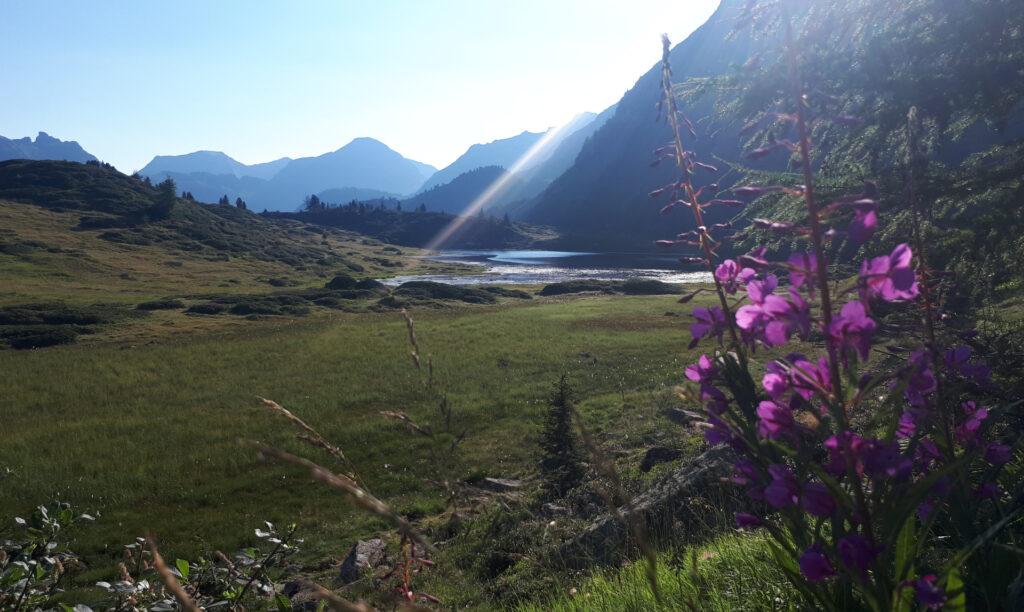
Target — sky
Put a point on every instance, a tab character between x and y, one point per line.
263	79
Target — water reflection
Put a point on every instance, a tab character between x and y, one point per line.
542	267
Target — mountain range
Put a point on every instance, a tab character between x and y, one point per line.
44	147
600	164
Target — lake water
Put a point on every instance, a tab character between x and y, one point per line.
542	267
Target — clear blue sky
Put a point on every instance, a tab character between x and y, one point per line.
259	80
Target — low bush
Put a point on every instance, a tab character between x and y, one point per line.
164	304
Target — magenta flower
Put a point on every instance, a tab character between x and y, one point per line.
768	310
846	446
785	317
857	553
747	520
709	322
907	425
883	460
783	490
809	378
920	379
757	290
717	432
703	371
929	595
743	472
816	500
890	277
998	454
967	432
958	360
814	565
732	276
853	328
802	268
775	421
865	221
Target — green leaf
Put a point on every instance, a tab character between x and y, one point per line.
905	548
955	592
183	568
283	603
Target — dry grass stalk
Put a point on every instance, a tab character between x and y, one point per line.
170	580
310	435
412	338
404	418
337	603
359	496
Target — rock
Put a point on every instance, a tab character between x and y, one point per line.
680	416
502	485
659	454
657	509
364	556
302	595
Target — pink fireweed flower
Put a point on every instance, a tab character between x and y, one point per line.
802	269
890	277
865	221
814	565
816	500
907	425
929	595
968	431
709	322
732	276
998	454
755	258
958	360
846	445
702	371
920	380
775	421
883	460
853	328
783	490
717	432
858	553
800	377
785	317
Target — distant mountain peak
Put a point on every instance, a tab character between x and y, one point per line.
44	147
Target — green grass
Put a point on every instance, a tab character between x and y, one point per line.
148	434
731	572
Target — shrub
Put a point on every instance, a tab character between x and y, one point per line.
207	308
164	304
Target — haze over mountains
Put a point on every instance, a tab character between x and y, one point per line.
600	164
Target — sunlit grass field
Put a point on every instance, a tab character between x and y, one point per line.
148	434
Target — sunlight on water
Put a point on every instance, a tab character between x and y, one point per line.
542	267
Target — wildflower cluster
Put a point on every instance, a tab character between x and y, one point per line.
850	458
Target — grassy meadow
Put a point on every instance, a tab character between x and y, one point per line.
148	434
146	420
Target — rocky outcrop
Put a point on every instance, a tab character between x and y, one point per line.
657	509
364	557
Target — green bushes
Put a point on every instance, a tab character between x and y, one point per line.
633	286
164	304
429	290
29	326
